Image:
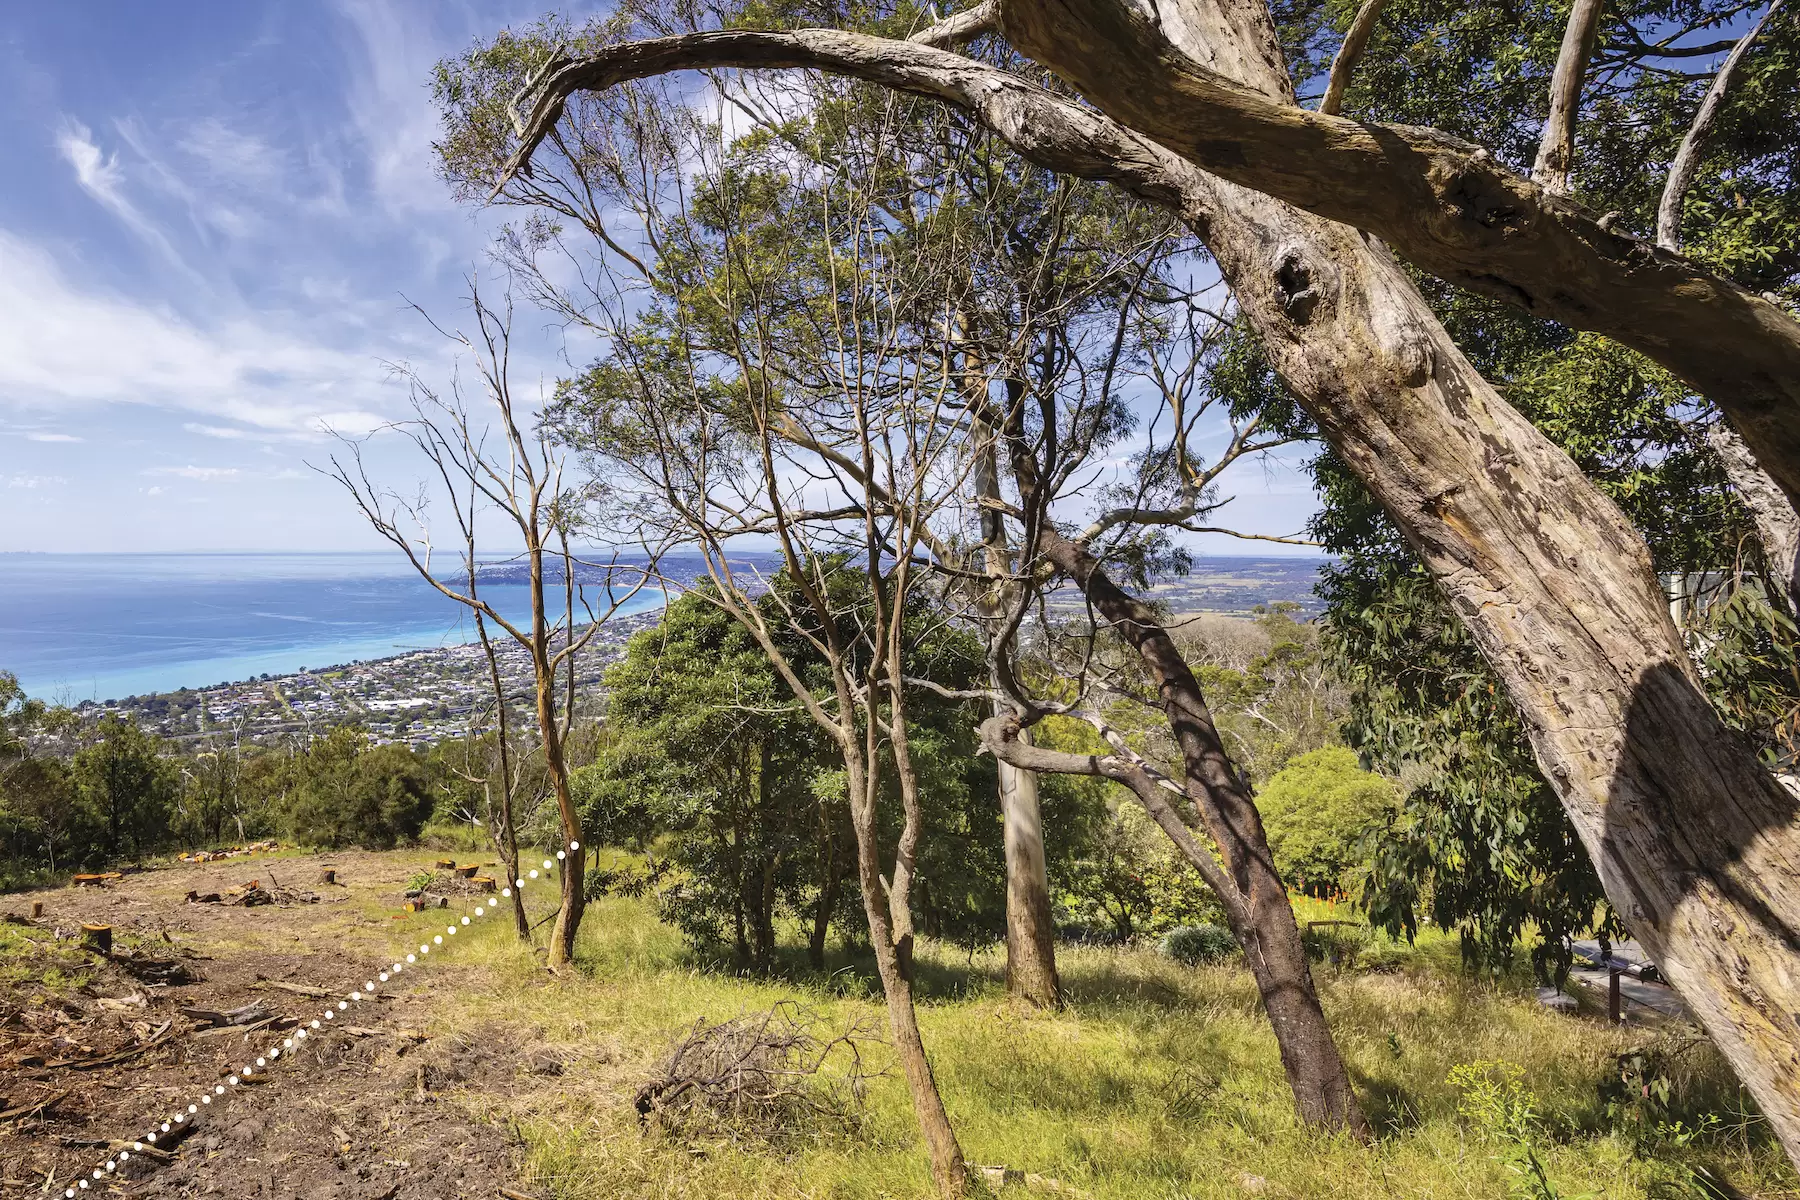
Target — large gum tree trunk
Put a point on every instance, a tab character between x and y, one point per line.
1697	844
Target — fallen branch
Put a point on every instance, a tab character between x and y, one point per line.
32	1110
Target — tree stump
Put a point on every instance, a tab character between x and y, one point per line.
37	909
328	875
483	882
467	871
97	938
443	901
446	864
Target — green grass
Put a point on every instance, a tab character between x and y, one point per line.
1158	1081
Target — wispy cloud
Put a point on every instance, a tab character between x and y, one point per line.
40	436
62	344
102	178
33	482
203	474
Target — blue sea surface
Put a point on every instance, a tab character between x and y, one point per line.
77	627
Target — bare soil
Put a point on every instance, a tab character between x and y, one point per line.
376	1111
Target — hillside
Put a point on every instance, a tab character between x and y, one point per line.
478	1075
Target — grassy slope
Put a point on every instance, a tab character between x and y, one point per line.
1159	1081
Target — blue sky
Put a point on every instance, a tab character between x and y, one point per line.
212	219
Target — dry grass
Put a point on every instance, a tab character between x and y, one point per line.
1158	1081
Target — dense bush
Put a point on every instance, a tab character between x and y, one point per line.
342	791
1318	811
1197	945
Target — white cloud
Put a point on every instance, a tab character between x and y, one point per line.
101	177
203	474
33	482
39	436
61	345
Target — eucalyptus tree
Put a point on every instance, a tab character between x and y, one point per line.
494	460
1694	839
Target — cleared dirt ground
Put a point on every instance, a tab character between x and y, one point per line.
96	1052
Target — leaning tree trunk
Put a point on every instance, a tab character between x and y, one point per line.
1254	897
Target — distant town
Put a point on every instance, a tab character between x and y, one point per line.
417	699
427	696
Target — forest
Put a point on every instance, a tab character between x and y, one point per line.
967	319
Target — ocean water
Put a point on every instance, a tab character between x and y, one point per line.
77	627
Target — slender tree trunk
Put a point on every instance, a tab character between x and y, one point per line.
893	961
568	917
1030	928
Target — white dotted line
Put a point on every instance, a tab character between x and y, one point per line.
273	1053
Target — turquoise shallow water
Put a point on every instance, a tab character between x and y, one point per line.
79	627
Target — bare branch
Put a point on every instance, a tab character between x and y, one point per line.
1347	56
1556	151
1687	158
963	27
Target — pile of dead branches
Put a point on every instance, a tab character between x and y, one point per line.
765	1076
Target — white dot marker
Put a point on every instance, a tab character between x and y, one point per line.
519	882
546	864
437	940
369	987
465	921
574	845
111	1166
315	1025
506	891
206	1099
410	958
561	854
330	1015
384	977
233	1081
191	1108
533	875
354	996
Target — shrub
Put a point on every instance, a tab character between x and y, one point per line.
1317	810
1198	944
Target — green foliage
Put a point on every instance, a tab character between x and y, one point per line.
1495	1101
1481	844
126	786
1318	812
342	791
1198	945
710	761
